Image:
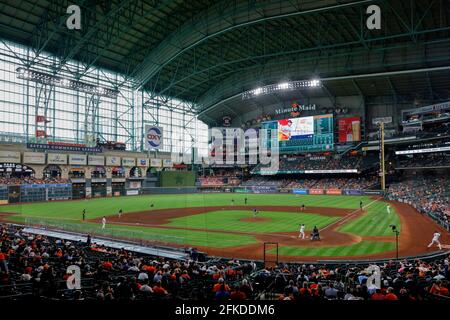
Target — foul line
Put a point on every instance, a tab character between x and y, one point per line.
350	215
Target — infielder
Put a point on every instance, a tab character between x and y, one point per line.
436	236
120	213
103	222
302	231
255	213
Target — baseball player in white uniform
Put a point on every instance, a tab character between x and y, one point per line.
302	231
435	240
103	223
388	209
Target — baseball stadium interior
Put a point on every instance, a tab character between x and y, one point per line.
118	119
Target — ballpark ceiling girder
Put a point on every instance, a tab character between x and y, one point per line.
115	34
187	49
408	87
307	66
322	33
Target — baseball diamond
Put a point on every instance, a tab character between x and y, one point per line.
208	222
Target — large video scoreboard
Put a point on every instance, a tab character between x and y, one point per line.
313	133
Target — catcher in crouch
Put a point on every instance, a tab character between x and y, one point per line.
315	235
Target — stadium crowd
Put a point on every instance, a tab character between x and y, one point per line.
296	163
359	183
31	180
428	195
426	160
36	265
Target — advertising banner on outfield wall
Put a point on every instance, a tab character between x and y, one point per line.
34	157
135	184
56	158
373	192
167	163
299	191
156	163
240	190
113	161
352	192
9	157
128	162
263	189
315	191
79	159
349	129
153	137
142	162
96	160
333	191
328	171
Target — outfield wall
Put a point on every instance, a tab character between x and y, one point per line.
168	190
58	192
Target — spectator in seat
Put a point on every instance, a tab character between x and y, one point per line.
145	288
246	288
219	284
390	294
222	294
159	290
331	292
378	295
237	294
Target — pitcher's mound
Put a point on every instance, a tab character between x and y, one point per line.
256	219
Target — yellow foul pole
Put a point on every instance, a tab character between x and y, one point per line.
382	167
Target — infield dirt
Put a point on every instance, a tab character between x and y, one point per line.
416	232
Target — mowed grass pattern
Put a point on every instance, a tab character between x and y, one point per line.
358	249
110	206
168	236
230	220
375	222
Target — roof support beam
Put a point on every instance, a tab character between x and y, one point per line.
170	49
347	77
112	16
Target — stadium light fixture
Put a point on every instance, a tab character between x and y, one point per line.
273	88
284	85
257	91
45	78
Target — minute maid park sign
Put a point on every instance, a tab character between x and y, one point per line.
296	108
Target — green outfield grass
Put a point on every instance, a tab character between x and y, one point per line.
357	249
109	206
180	237
373	223
68	215
230	220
